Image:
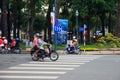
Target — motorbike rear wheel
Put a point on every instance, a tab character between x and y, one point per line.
54	56
34	57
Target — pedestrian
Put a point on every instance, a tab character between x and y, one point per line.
31	44
27	43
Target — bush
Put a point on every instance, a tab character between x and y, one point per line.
110	40
101	42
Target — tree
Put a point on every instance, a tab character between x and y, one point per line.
4	24
33	7
117	31
14	8
48	20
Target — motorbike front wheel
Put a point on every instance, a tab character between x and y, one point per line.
54	56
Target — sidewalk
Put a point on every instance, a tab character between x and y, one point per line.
98	52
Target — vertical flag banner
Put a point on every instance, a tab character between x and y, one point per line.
52	15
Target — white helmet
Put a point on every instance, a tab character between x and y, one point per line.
37	34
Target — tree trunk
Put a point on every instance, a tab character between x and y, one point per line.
31	18
117	30
88	30
4	19
9	24
103	28
19	19
48	21
109	21
31	28
15	20
18	27
57	9
102	17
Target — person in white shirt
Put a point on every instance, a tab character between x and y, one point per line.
41	44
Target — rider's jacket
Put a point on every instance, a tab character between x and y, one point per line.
35	41
13	43
41	43
1	43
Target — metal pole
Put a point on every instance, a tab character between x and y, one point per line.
77	13
84	39
55	36
77	28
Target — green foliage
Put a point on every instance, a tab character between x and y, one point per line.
39	24
109	39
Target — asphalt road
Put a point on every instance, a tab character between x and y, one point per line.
68	67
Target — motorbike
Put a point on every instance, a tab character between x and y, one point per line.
4	50
52	54
7	49
14	49
72	50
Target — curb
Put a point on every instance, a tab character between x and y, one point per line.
97	51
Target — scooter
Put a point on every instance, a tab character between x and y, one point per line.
16	50
72	50
52	54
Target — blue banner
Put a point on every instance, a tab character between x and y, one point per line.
61	30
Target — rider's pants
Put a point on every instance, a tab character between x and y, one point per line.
41	53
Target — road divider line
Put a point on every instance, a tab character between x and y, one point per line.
76	61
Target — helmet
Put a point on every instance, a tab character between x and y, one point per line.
37	34
17	38
3	37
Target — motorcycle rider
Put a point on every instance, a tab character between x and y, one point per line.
41	43
1	43
71	48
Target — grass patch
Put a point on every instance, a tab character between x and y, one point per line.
22	45
63	46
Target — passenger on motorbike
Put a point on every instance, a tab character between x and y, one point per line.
1	43
35	43
41	43
13	43
71	48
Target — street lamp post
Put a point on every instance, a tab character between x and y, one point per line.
77	13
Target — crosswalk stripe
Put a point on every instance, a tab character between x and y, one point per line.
36	65
81	59
42	68
30	77
76	61
35	72
55	63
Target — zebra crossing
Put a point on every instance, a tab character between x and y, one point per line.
46	70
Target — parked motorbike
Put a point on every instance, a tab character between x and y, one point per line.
14	49
72	50
52	54
4	50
